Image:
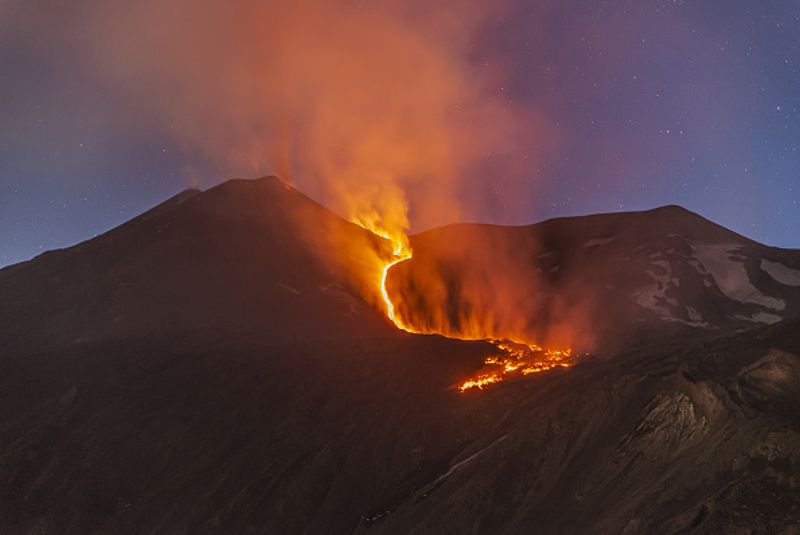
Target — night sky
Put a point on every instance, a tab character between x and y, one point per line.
648	103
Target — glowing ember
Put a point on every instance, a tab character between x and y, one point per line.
400	254
401	250
479	382
517	359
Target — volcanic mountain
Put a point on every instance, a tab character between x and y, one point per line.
209	367
236	255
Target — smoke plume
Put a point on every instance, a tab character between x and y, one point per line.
380	110
374	108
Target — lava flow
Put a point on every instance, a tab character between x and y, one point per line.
400	253
513	358
517	359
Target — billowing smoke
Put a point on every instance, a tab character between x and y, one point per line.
380	110
375	108
484	281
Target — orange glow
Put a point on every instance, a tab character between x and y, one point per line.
516	360
401	250
480	382
385	294
376	111
513	359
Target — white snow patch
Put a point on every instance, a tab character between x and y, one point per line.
696	319
783	274
654	297
761	317
694	315
598	241
726	267
286	288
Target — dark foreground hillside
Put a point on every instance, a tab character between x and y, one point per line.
201	370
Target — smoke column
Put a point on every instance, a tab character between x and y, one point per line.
374	108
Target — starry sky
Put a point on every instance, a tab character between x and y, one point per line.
648	103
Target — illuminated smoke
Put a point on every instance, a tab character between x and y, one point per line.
373	108
377	109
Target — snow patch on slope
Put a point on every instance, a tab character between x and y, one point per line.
598	242
761	317
722	262
782	274
654	297
696	319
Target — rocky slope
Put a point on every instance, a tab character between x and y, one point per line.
697	440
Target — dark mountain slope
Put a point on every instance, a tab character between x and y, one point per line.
227	436
203	367
235	258
700	440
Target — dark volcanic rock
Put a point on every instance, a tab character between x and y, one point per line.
656	442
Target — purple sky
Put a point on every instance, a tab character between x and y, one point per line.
690	103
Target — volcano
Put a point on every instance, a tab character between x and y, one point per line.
206	368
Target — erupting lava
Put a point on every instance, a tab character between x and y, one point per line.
400	253
517	359
401	250
513	358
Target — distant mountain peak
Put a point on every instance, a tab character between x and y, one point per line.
674	209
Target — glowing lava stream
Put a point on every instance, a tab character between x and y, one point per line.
401	251
514	358
400	254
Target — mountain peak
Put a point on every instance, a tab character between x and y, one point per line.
674	209
267	181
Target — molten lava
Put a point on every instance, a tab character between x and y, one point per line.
513	358
479	382
400	253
